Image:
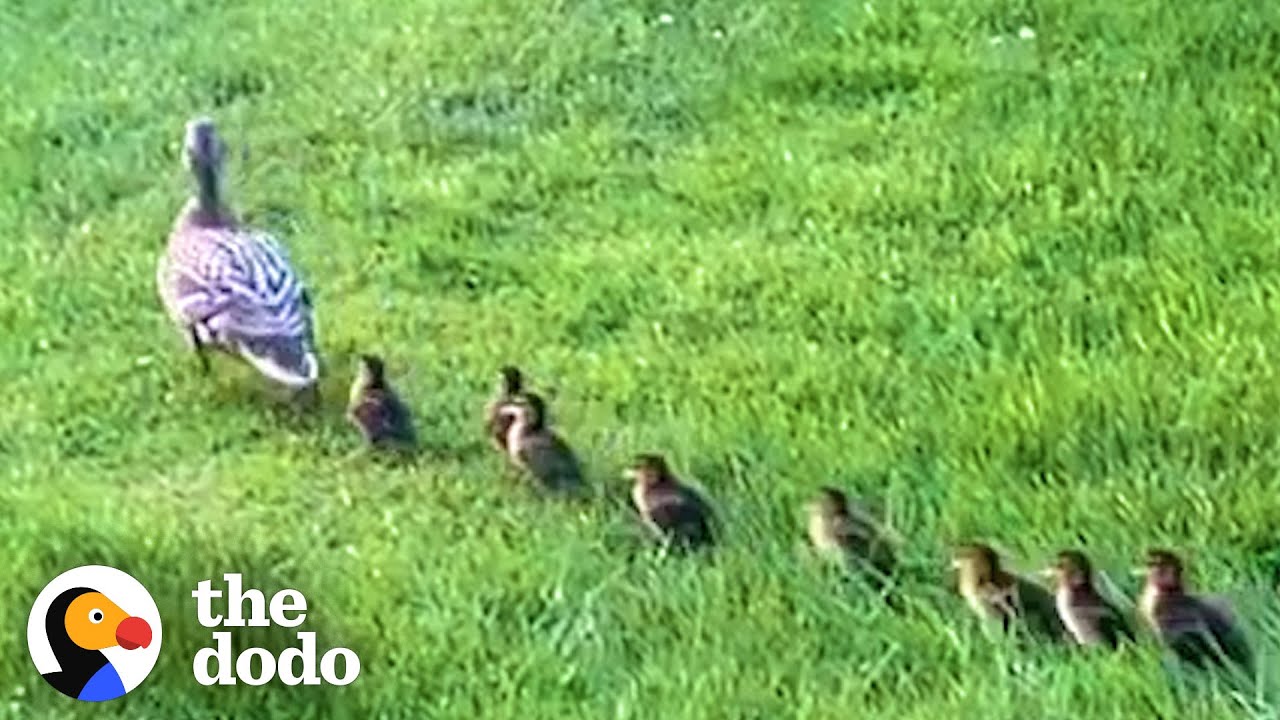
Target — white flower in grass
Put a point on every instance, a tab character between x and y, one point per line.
1026	33
665	19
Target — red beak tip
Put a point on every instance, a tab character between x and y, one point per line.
133	633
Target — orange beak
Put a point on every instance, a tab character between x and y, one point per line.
132	633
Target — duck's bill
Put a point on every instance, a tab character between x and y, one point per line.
289	361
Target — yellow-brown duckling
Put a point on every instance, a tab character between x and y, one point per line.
533	446
1198	631
673	511
1086	614
1001	597
376	410
498	413
840	533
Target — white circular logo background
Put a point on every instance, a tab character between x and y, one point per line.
133	665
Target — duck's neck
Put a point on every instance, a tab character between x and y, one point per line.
207	206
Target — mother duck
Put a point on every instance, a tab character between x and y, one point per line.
80	623
232	288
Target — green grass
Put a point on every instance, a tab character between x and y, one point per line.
1022	289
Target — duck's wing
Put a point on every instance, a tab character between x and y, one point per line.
682	515
1221	624
240	288
383	418
1113	625
1037	606
551	461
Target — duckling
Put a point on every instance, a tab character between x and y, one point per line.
1088	617
1198	631
673	511
376	410
536	448
498	422
999	596
839	533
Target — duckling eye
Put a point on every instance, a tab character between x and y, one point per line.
95	616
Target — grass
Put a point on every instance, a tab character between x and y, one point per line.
1009	269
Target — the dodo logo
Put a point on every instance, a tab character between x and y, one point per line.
94	633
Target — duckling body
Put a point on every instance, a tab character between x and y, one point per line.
673	511
1003	598
1088	617
376	410
231	288
1196	630
841	535
533	446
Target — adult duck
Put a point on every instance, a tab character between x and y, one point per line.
80	623
229	287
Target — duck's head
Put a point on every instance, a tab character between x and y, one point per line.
1164	570
975	563
372	371
830	503
205	151
512	380
648	469
370	375
91	621
533	411
1071	569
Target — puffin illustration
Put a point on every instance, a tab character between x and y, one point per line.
80	623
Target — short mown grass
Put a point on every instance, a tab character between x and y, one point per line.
1007	269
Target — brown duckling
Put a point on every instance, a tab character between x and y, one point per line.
376	410
533	446
838	532
1088	617
1199	631
999	596
497	419
673	511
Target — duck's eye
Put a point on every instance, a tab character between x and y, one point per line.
95	616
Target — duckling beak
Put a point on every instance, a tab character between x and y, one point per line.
1048	573
629	474
1139	571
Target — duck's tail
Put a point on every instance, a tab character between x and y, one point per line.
290	361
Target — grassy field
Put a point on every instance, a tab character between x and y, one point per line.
1008	269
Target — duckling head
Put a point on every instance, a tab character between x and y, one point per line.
830	503
533	411
1164	571
512	380
649	469
975	563
372	371
370	375
1072	569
